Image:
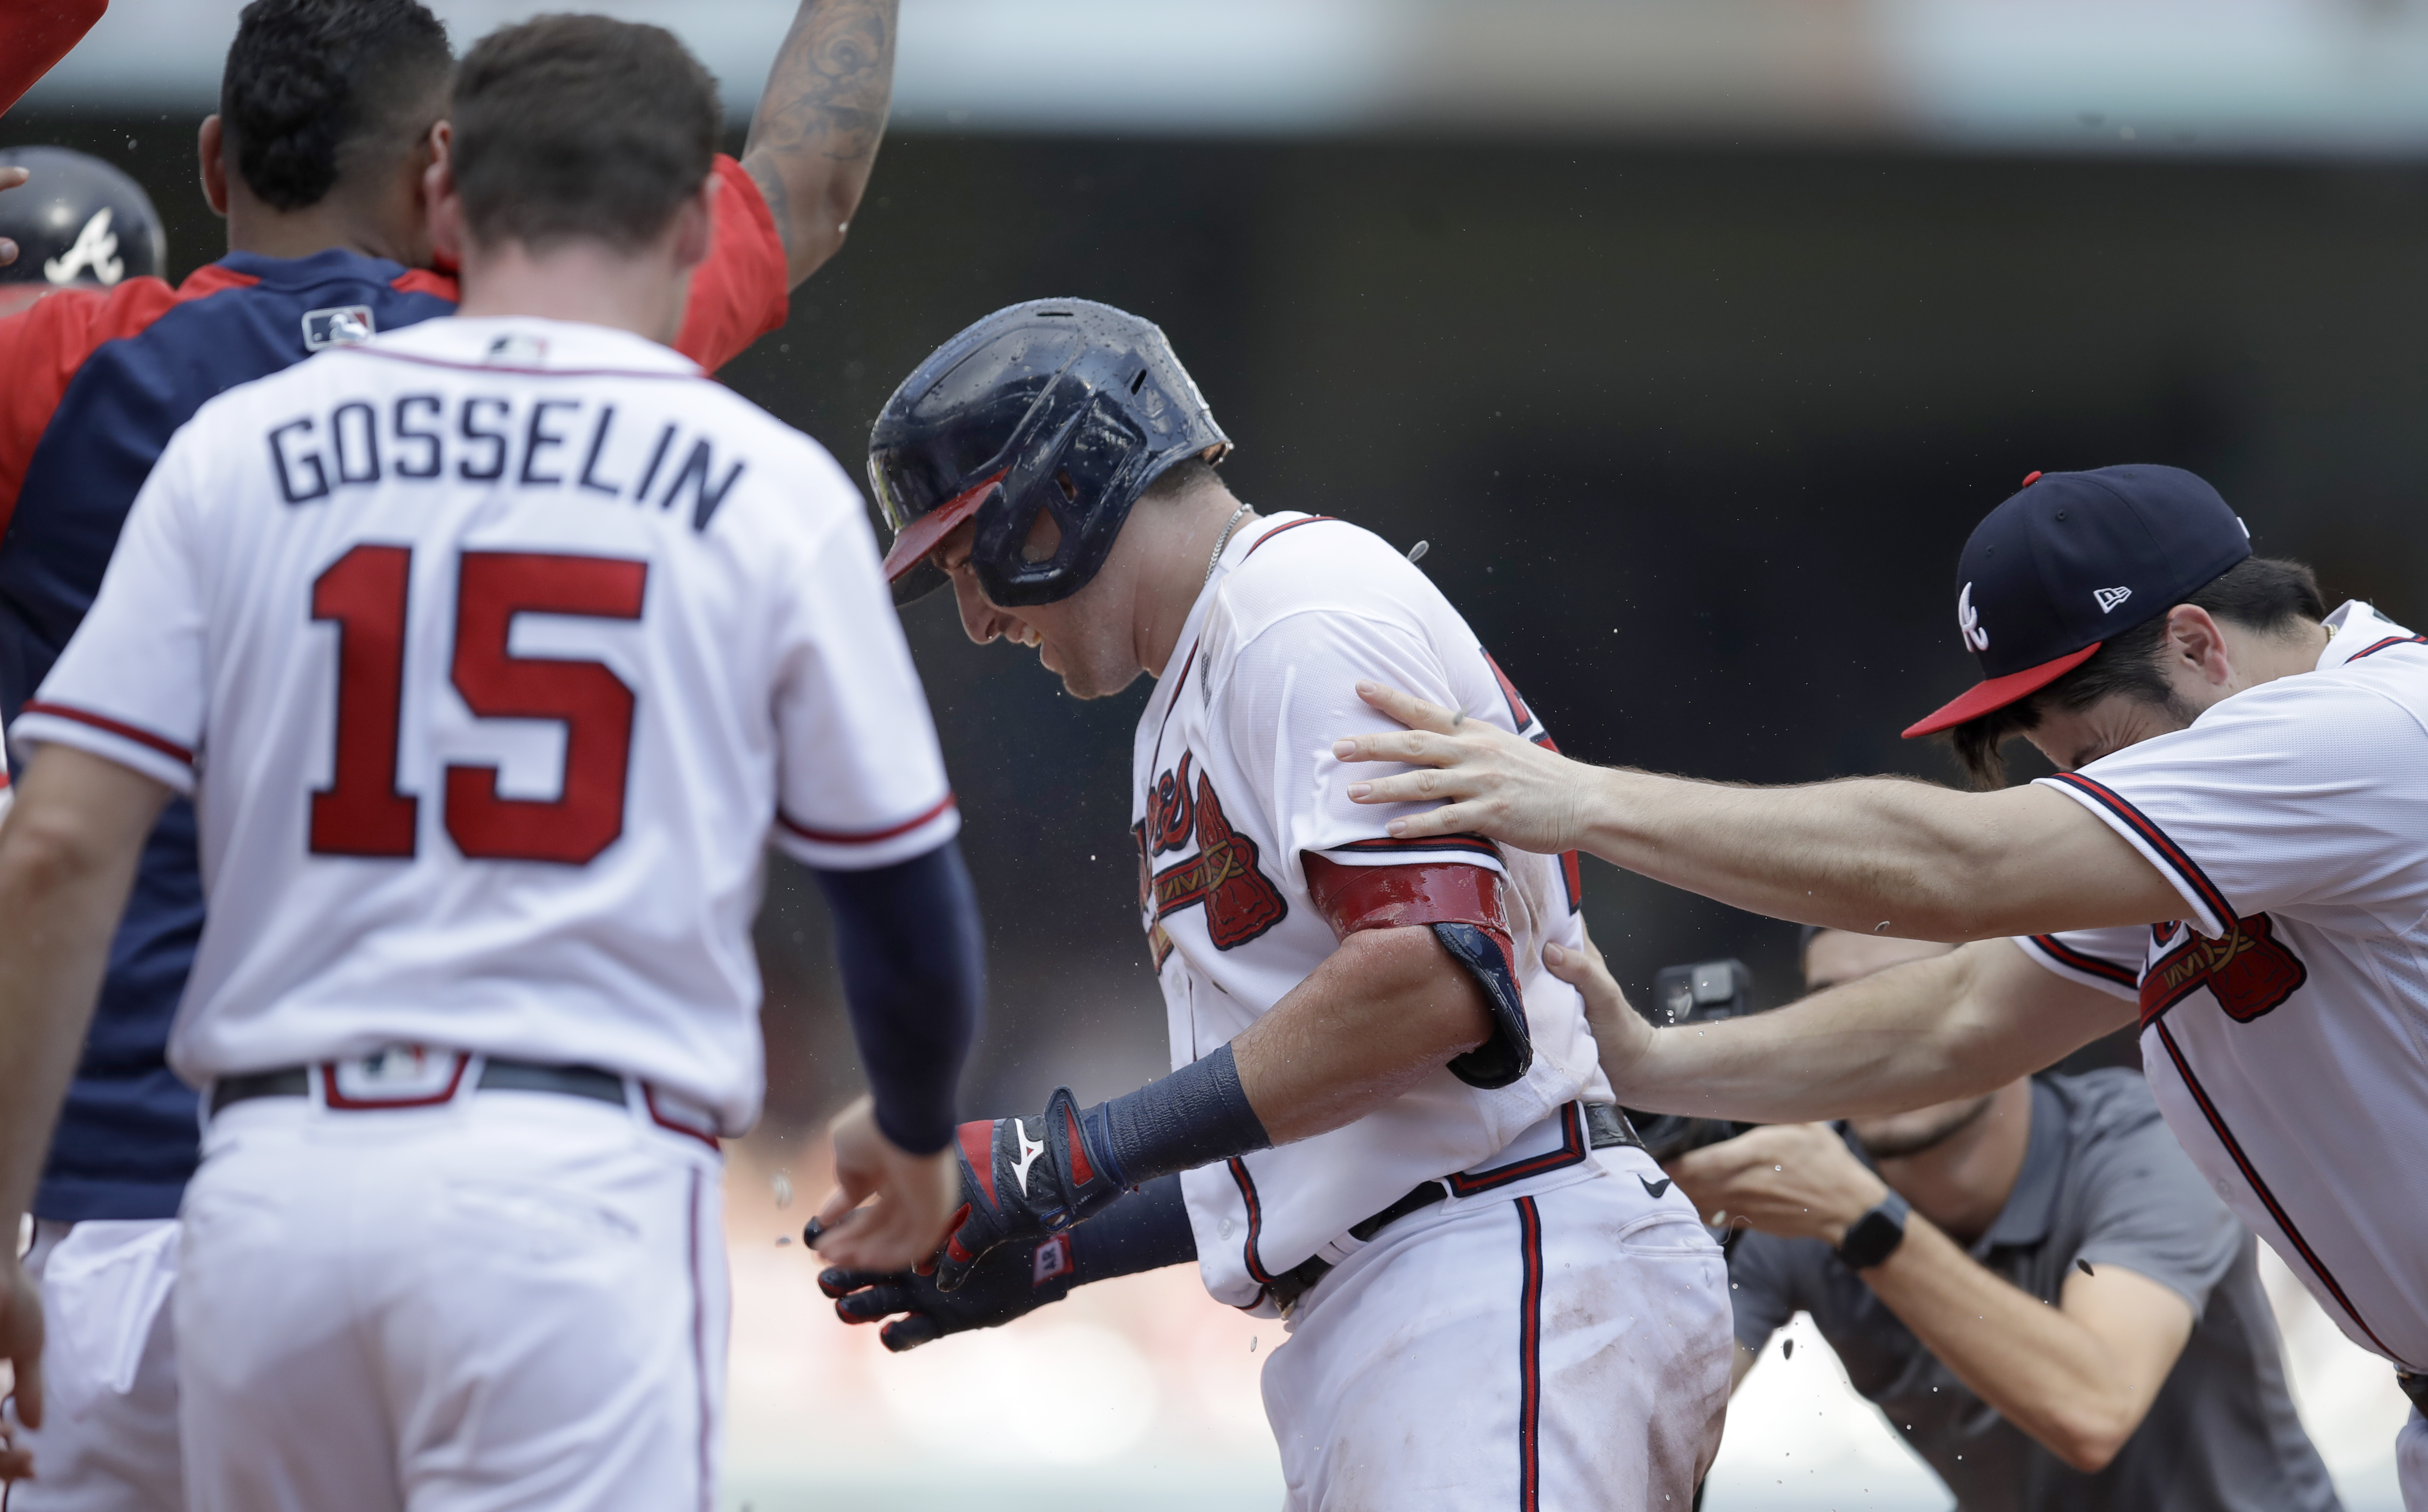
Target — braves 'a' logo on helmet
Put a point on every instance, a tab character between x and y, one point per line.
1223	877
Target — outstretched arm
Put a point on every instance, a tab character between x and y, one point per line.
1874	855
814	140
1927	1031
67	859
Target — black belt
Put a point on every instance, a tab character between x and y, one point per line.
496	1076
2414	1387
1606	1127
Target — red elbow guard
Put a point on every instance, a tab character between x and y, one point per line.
1462	905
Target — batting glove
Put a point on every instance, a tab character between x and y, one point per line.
1007	1282
1025	1178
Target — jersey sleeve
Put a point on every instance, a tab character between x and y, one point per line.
859	780
2150	1211
42	346
33	39
744	288
1291	693
132	685
2306	791
2108	959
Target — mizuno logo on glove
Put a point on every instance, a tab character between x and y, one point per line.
1029	1150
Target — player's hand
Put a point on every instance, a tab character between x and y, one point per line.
1022	1178
1796	1180
10	179
1620	1034
20	1344
1487	781
1009	1281
915	1198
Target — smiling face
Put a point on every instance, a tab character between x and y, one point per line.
1086	639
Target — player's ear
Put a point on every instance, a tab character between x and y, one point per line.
207	145
696	223
439	198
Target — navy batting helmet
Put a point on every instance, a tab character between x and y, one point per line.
1063	406
77	220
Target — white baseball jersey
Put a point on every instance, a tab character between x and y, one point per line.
494	652
2284	1022
1233	780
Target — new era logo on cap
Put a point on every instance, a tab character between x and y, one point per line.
2050	569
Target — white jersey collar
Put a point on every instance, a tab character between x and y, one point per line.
2357	627
527	344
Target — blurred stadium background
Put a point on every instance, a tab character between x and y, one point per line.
1693	335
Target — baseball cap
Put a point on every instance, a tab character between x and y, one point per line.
2073	558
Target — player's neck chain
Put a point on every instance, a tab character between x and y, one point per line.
1220	541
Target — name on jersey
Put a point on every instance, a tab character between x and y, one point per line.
2248	969
1223	877
565	445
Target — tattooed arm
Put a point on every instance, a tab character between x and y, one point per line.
815	137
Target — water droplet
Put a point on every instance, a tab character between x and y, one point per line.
1787	1350
783	1185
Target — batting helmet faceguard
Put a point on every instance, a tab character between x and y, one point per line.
1063	406
78	220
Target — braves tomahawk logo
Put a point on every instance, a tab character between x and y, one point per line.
2248	969
1968	622
95	246
1241	902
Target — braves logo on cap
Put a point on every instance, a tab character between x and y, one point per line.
1968	622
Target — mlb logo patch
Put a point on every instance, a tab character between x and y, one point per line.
342	326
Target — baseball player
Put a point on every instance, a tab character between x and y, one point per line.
493	651
1384	1123
2231	850
327	233
77	222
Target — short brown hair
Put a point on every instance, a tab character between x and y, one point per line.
2264	593
580	129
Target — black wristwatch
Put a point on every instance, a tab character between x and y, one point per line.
1874	1236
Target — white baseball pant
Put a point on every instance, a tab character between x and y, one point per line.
1557	1347
2411	1462
512	1302
108	1440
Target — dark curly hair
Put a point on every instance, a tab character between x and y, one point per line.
316	88
579	127
2263	593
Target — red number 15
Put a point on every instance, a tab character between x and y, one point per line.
362	812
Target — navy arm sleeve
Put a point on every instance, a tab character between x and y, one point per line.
1145	1230
913	959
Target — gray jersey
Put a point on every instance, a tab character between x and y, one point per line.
2102	1181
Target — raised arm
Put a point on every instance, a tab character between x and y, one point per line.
814	140
1923	1032
1868	855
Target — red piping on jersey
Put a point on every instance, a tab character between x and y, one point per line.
2391	640
1529	1357
864	836
1285	529
2168	849
125	732
1573	1150
2068	957
2259	1188
1518	710
1256	1270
